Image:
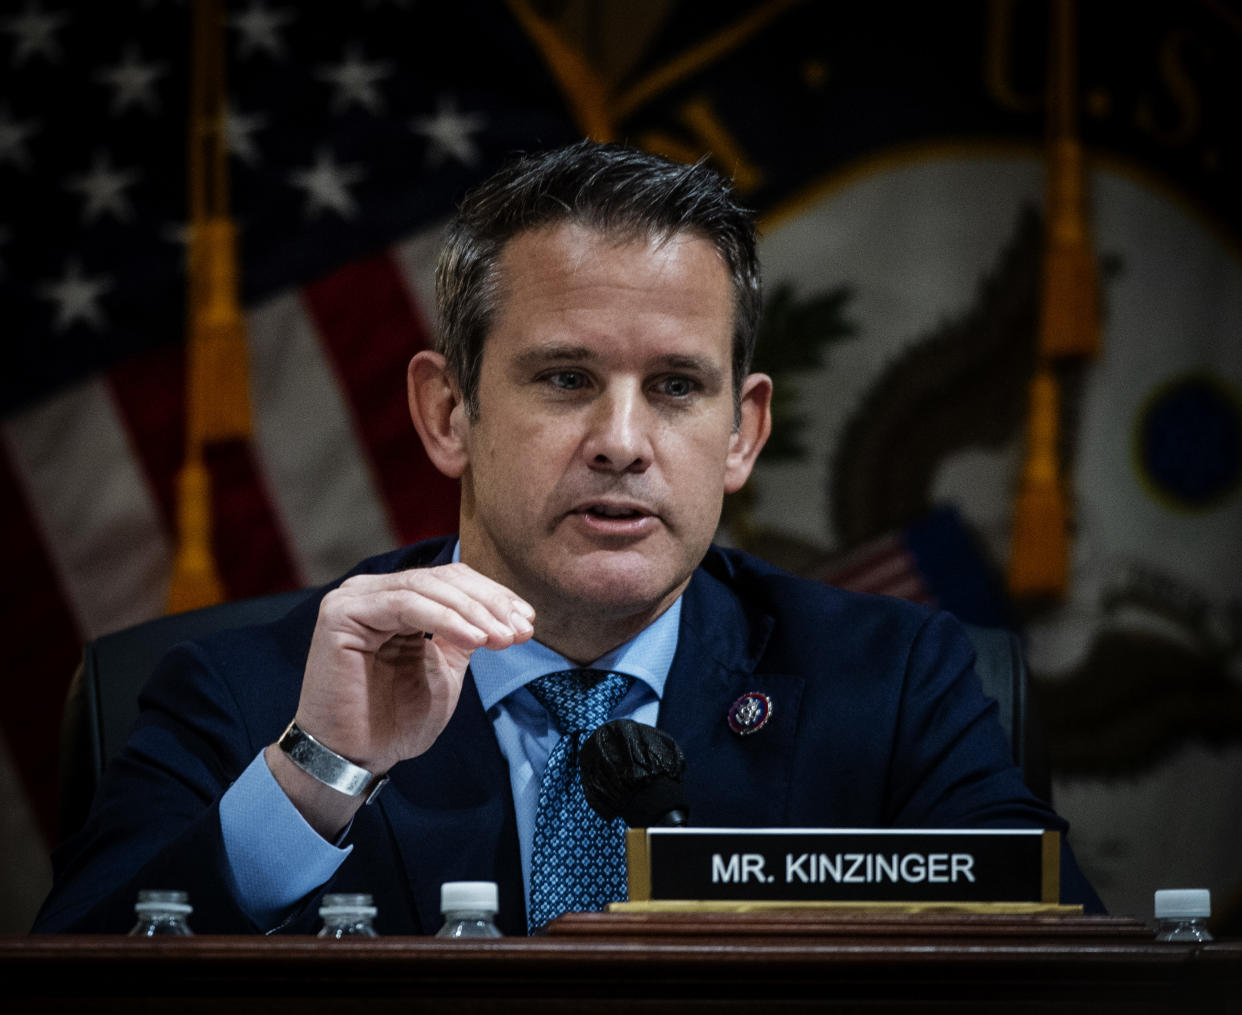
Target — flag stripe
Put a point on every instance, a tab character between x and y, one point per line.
882	567
843	570
42	646
908	586
370	327
149	391
102	524
307	445
247	538
878	573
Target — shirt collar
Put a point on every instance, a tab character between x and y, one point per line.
646	657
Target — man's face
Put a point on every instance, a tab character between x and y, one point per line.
605	436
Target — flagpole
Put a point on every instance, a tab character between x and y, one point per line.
217	384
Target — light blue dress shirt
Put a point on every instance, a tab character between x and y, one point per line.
276	858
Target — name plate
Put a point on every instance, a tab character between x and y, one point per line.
844	865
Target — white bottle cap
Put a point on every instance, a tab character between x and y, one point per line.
1172	903
470	895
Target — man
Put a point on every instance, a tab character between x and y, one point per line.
590	389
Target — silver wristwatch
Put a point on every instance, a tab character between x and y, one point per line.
325	765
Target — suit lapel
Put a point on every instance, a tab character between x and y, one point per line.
731	780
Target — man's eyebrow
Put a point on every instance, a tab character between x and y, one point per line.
692	364
543	355
554	353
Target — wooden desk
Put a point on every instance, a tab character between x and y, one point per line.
645	963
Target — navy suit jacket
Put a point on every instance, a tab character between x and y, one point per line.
878	720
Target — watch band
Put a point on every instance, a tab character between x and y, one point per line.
325	765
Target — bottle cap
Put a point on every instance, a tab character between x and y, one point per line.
347	904
478	895
1172	903
154	901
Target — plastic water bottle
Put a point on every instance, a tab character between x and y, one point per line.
1181	914
469	909
347	915
160	913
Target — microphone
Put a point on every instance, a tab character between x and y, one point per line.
634	771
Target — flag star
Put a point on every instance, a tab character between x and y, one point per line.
35	32
355	80
76	298
326	185
449	133
238	128
13	135
258	28
133	82
104	189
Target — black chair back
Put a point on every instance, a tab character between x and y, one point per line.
102	701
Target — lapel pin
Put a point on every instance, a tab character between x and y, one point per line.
750	713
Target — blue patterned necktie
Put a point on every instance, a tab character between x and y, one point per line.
578	858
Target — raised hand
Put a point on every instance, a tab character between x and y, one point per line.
385	668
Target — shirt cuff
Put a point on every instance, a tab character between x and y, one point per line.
275	857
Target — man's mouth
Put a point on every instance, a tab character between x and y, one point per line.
625	519
613	511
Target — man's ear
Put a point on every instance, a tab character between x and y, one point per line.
752	431
438	412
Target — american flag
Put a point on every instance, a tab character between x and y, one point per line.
935	559
352	129
885	566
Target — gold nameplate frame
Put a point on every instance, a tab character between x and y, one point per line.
910	870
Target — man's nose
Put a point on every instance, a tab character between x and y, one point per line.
620	432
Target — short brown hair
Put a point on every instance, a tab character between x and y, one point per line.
612	188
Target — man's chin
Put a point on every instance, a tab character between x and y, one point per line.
616	586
